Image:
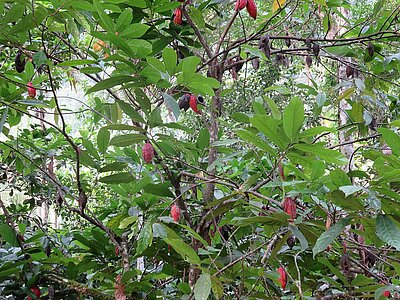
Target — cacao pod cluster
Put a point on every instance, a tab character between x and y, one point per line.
250	6
289	207
148	152
190	100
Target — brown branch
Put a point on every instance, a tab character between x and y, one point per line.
355	141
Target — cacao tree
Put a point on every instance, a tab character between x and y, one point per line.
194	149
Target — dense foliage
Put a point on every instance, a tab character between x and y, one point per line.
220	149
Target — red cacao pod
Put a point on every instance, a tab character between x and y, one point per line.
31	90
386	294
289	207
148	152
193	104
175	212
240	4
36	291
116	251
251	8
178	16
282	277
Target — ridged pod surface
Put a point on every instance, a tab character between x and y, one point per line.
31	90
175	212
289	207
148	152
282	277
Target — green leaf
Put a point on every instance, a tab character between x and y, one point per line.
392	139
279	89
276	114
158	190
130	111
388	231
202	288
145	238
103	138
124	19
271	129
299	235
106	21
8	234
347	93
170	59
350	189
276	219
293	117
329	236
134	31
171	103
109	83
124	177
143	100
312	132
203	140
255	140
329	155
127	139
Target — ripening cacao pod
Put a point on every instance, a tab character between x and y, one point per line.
291	241
193	104
240	4
148	152
175	212
36	291
349	71
184	102
19	62
282	277
316	49
116	251
386	294
251	8
371	49
308	60
288	42
289	207
280	171
178	16
31	90
256	63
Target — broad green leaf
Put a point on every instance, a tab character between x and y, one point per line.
271	129
8	234
293	118
392	139
145	238
103	138
77	62
130	111
124	19
109	83
314	131
388	231
134	31
159	190
339	177
202	288
346	94
171	103
203	139
124	177
350	189
276	113
143	100
280	89
127	139
106	21
299	235
170	59
329	155
255	140
276	219
329	236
